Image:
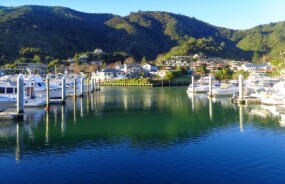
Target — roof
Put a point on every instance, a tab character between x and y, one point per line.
149	64
257	65
111	70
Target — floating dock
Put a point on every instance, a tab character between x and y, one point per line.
10	115
247	101
56	101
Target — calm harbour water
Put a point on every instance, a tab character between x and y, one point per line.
144	135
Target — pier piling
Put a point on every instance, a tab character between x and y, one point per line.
192	81
74	89
241	100
210	87
82	87
47	93
63	90
20	94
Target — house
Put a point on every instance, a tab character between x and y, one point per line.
83	58
257	68
109	75
98	51
70	60
132	68
150	68
99	63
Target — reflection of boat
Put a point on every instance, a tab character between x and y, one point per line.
274	110
35	114
268	111
282	120
261	112
224	101
200	97
6	102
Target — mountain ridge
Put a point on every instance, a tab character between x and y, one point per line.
60	32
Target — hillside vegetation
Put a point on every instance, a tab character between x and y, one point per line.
58	32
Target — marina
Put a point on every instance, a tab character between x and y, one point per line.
107	135
138	92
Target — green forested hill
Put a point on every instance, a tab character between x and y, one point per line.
263	39
57	32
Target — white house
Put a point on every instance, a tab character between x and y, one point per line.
108	75
96	63
132	68
150	67
98	51
257	68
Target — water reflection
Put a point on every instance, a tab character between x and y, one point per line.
211	108
241	117
20	141
152	116
47	128
63	119
198	101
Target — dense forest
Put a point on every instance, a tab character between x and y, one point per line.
46	33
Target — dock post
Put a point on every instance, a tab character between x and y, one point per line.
74	89
241	89
20	94
63	90
82	86
192	81
47	92
210	87
98	85
92	85
88	87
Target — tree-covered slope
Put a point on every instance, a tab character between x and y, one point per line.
264	39
57	32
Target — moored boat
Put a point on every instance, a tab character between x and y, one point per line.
6	103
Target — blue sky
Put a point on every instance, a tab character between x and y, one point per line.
235	14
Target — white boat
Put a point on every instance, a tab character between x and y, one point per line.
202	85
30	98
69	83
6	103
275	95
37	83
228	91
40	87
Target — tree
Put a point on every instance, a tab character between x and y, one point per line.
169	76
224	73
255	57
76	57
144	60
29	52
159	59
130	60
201	70
53	63
37	59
